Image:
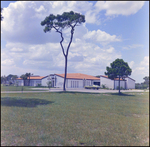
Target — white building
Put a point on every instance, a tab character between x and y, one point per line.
128	83
77	80
34	81
74	80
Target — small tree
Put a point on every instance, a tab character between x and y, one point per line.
119	69
60	22
28	76
24	77
14	77
146	80
49	84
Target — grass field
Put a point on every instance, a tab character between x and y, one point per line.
73	118
19	88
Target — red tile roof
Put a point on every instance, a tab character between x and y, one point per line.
34	78
78	76
114	79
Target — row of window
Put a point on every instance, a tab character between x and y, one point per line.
74	84
87	83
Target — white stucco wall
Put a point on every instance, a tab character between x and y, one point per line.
35	82
130	84
116	83
74	83
107	82
20	82
59	81
44	81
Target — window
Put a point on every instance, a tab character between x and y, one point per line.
38	82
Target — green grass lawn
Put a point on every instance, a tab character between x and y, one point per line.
73	118
19	88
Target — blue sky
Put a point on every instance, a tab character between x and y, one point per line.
112	30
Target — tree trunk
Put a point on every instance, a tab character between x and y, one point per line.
29	80
64	86
119	84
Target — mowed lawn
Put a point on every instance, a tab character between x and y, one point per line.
21	88
71	118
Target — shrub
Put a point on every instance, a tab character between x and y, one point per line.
49	84
103	86
38	85
121	88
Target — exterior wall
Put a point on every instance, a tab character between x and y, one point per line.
107	82
122	84
74	83
35	82
130	84
44	81
20	82
59	81
79	83
87	83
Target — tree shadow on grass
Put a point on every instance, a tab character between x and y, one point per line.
26	102
76	92
121	94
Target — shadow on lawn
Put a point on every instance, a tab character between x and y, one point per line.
19	102
76	92
122	94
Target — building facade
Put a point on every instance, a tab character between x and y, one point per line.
76	80
32	81
127	83
73	80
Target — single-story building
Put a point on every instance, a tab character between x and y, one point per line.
74	80
127	83
33	81
77	80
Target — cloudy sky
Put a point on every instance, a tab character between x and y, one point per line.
112	30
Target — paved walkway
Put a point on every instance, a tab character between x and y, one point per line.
74	90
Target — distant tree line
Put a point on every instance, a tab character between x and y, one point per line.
143	85
9	80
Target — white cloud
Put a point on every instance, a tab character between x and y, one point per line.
16	49
101	37
7	62
29	49
133	46
143	67
131	64
145	62
110	50
119	7
49	57
25	18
